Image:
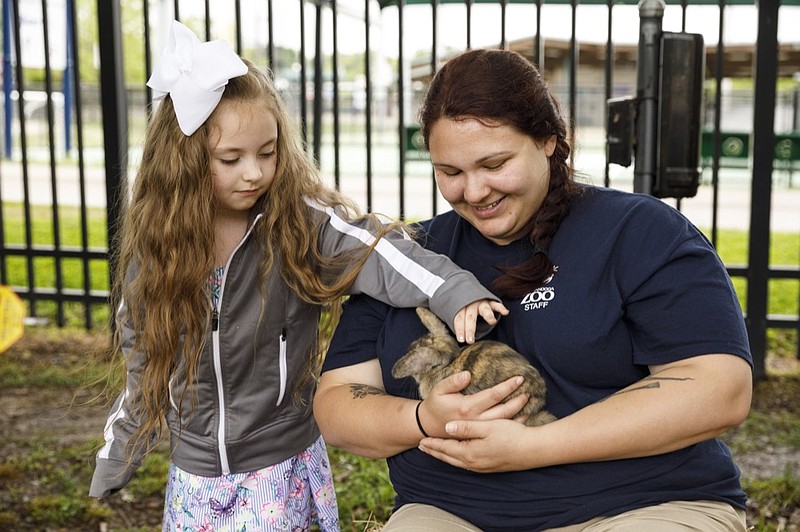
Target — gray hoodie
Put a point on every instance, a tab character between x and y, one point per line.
243	415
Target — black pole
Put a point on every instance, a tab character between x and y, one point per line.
609	80
765	78
717	153
651	14
434	66
115	116
401	106
318	96
368	99
336	126
303	101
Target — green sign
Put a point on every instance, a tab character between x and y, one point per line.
415	144
736	145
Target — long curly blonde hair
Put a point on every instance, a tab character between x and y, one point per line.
169	224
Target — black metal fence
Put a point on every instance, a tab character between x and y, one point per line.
353	72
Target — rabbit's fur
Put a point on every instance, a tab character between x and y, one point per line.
436	355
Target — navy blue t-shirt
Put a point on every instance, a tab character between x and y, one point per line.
636	284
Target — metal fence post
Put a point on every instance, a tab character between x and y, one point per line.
115	117
651	14
763	145
8	83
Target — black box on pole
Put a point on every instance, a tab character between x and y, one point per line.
680	97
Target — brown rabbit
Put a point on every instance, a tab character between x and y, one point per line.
436	355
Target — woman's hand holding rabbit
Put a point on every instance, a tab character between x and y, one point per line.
484	446
446	403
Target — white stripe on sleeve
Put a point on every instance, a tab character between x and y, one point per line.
108	432
424	279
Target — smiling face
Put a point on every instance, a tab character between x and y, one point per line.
492	175
242	147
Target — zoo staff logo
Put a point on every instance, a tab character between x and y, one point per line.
540	297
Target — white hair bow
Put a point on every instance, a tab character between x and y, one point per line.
194	74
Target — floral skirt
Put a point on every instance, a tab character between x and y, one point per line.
291	495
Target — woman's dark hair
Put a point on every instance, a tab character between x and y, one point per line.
503	87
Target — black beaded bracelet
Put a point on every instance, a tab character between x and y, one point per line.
419	423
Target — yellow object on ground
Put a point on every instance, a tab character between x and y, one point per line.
12	316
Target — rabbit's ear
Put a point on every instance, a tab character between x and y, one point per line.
415	362
432	322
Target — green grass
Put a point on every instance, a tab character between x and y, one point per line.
776	500
773	419
42	271
42	233
774	426
732	247
783	297
363	490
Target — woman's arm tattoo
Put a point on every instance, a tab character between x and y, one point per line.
649	385
360	391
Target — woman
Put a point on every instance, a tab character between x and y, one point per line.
616	298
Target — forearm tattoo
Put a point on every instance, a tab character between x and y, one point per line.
360	391
649	383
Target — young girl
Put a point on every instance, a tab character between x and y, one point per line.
231	247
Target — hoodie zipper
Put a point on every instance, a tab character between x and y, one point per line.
217	358
282	366
214	319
